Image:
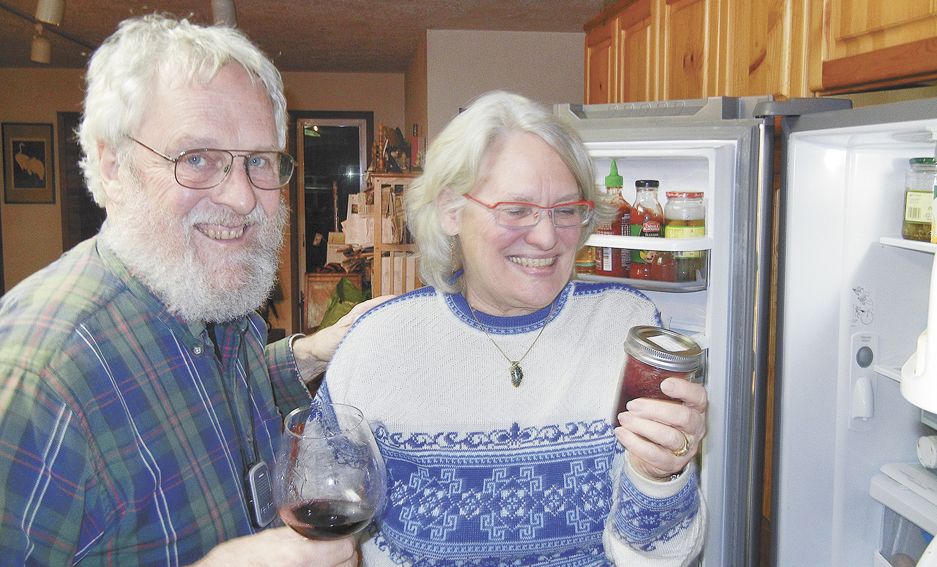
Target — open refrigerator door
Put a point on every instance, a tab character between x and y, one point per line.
718	149
851	486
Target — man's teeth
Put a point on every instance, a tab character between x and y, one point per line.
532	262
224	233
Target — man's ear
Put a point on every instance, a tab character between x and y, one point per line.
449	215
110	169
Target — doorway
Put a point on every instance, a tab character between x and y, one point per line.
332	153
81	216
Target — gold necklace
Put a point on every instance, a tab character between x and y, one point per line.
517	375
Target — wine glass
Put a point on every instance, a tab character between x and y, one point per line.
329	477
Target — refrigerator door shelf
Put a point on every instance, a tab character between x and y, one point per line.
902	542
905	489
701	283
649	285
645	243
908	244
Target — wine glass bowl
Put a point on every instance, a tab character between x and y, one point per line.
329	477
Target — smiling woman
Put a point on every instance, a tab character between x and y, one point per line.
495	427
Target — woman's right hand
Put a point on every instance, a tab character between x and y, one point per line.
282	547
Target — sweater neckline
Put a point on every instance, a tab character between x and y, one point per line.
511	324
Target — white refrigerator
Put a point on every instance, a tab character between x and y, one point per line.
843	174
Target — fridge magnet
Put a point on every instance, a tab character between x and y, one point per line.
28	168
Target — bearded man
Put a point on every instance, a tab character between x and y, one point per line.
139	404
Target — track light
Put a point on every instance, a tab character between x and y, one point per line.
50	11
41	50
223	13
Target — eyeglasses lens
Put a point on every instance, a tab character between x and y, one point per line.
564	216
204	169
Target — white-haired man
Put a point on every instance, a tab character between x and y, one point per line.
139	404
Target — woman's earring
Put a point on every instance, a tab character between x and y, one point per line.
454	263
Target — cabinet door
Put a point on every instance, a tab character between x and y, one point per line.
600	63
637	63
767	52
691	31
875	43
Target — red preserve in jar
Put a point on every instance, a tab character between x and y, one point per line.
654	354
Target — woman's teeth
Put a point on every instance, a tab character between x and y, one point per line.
532	262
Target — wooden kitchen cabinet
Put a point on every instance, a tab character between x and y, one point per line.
637	56
600	62
658	49
872	44
690	36
676	49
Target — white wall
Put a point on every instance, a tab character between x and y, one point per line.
545	66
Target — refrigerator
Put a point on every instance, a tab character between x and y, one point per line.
847	283
854	295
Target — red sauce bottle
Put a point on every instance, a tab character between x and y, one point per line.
647	219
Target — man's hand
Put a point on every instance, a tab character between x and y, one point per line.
314	351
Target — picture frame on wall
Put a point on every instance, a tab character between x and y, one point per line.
28	164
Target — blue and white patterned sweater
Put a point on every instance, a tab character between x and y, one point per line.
485	474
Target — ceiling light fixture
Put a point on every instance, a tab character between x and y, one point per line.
50	11
224	13
41	50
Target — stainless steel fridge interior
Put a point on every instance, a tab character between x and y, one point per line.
853	300
716	147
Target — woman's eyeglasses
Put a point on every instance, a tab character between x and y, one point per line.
511	214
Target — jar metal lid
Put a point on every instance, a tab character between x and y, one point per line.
687	194
663	348
652	183
923	161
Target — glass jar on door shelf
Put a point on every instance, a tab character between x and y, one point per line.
919	198
585	260
685	217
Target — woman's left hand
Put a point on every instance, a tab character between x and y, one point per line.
663	436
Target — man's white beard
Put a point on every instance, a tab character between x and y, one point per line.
158	248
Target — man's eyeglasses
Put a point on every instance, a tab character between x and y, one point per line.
208	167
511	214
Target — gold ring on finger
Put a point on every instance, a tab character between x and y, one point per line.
686	447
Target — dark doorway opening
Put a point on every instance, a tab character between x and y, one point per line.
81	216
332	150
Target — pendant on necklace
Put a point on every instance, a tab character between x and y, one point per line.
516	373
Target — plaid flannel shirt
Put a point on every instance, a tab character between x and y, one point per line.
117	441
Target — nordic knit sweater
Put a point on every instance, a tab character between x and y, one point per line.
484	473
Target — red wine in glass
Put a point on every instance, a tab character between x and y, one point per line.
329	478
326	519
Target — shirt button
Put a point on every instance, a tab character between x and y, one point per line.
197	349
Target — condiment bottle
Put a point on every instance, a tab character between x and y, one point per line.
647	216
653	354
685	217
919	198
614	261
